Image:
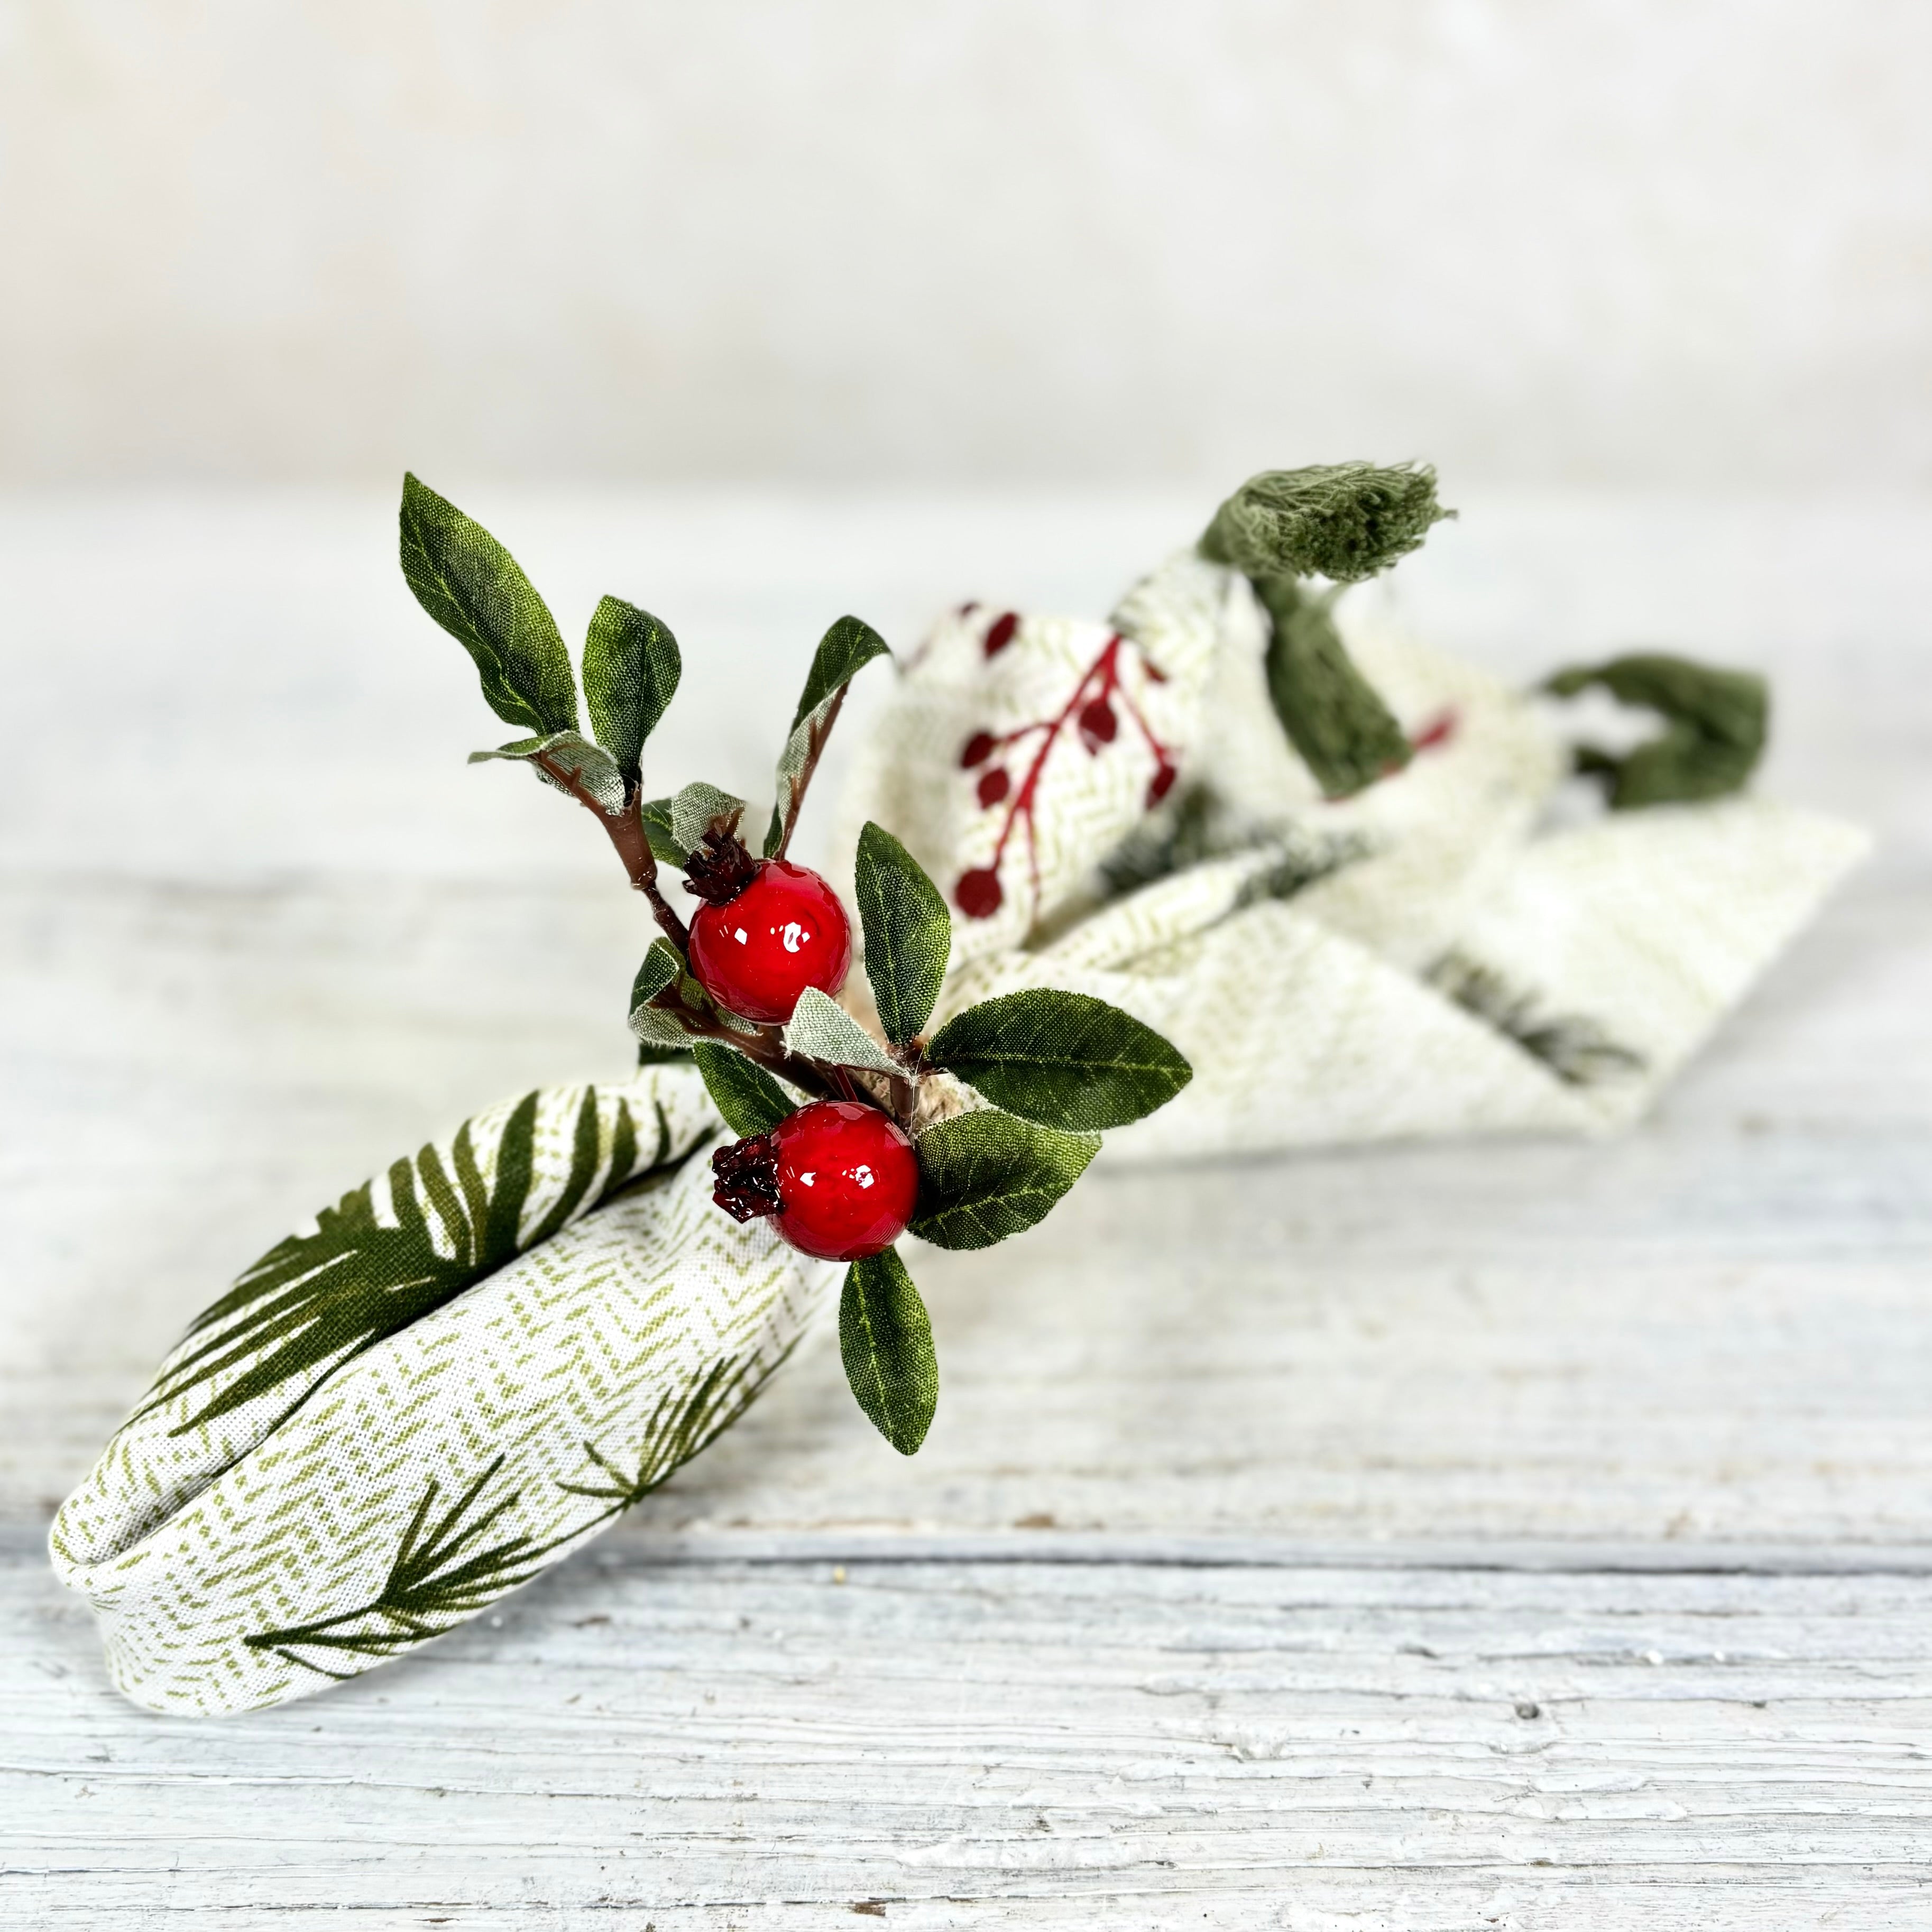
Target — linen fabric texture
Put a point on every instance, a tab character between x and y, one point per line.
1463	947
439	1389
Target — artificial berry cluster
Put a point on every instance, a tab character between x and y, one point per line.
1092	712
824	1112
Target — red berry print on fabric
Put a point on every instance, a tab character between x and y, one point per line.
1093	709
1000	634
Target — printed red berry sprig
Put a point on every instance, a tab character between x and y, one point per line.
1091	710
965	1138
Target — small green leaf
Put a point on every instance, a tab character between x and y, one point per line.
652	1025
908	933
1064	1060
656	815
694	809
1715	724
821	1029
843	653
1342	520
592	767
662	968
984	1176
750	1100
885	1340
630	671
470	584
1332	714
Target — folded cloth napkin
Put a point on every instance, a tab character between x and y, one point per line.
445	1385
477	1360
1115	809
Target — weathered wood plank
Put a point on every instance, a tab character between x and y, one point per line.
1329	1463
1017	1743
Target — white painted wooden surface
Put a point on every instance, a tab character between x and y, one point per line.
1259	1499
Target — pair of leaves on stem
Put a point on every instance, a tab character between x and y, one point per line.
1058	1066
472	586
675	826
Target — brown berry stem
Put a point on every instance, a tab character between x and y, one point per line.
815	747
625	831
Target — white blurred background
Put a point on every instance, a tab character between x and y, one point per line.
1622	243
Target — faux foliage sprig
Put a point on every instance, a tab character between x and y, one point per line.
838	1145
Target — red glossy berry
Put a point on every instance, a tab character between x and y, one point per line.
994	787
783	932
838	1178
979	893
1098	724
999	634
979	749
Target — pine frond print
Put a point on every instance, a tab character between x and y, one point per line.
431	1586
321	1297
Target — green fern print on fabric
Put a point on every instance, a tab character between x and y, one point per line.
323	1297
437	1580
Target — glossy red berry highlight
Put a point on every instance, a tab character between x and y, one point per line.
782	931
838	1179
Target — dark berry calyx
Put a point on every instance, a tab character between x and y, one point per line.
747	1175
721	865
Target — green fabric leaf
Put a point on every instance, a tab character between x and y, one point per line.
470	584
655	814
662	968
1715	724
908	933
594	768
1342	520
984	1176
885	1340
750	1100
843	653
1064	1060
693	810
654	1028
630	671
821	1029
1331	713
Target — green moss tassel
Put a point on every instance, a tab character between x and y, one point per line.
1715	724
1344	521
1330	712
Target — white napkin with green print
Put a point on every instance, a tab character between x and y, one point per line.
1440	953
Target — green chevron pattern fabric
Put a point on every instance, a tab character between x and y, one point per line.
1115	809
457	1375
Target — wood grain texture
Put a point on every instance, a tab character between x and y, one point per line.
1248	1483
1013	1744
